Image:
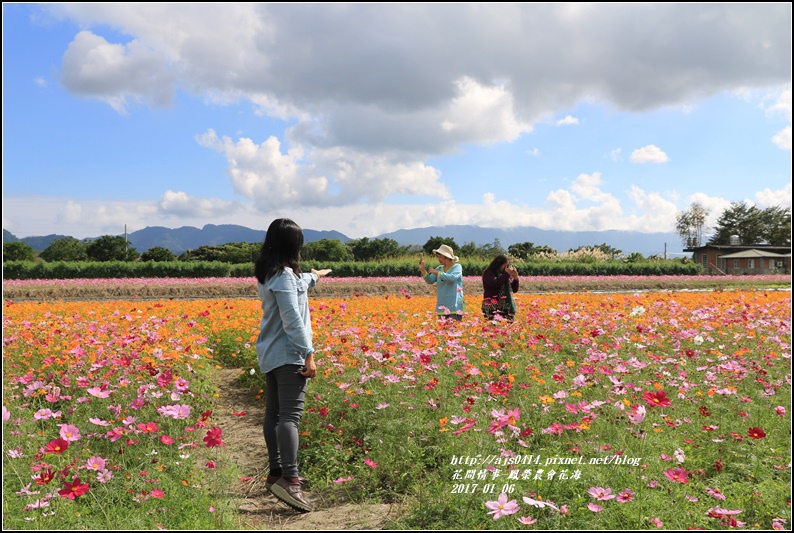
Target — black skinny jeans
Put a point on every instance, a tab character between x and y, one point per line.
284	399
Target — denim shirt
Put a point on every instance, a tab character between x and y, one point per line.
285	332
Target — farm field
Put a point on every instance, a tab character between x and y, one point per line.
630	410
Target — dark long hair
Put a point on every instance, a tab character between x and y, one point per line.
281	249
496	264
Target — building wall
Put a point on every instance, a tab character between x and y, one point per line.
710	259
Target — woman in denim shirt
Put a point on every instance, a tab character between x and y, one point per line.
285	352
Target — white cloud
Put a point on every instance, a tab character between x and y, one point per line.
567	121
783	138
116	73
769	198
649	154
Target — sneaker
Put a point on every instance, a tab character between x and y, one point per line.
291	494
272	479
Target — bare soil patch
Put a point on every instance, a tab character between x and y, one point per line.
257	508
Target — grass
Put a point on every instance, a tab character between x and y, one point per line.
443	418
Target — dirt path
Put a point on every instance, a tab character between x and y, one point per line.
258	509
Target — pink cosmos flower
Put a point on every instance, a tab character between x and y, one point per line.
95	463
657	522
369	462
601	494
637	414
595	507
343	480
501	507
41	414
98	392
6	414
157	493
625	496
527	520
780	411
167	440
715	493
677	474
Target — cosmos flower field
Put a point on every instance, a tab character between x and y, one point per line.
665	410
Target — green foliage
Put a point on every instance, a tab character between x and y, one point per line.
690	224
753	225
434	242
66	249
325	250
525	250
18	251
119	269
406	266
607	250
233	252
373	249
158	253
111	248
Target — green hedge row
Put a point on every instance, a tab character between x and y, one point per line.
394	268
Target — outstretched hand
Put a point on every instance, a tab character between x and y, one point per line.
322	273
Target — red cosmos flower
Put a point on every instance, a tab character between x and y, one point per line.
73	489
213	437
657	399
58	446
205	415
677	474
45	477
756	433
148	427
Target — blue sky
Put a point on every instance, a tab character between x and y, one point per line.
369	118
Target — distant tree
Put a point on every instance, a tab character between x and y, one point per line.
233	252
366	249
325	250
468	250
690	224
525	250
159	254
434	242
111	248
635	257
492	249
18	251
776	222
753	225
65	249
606	249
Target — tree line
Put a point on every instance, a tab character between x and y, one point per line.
117	248
747	222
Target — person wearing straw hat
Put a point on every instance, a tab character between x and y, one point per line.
448	277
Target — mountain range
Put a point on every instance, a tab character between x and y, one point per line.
186	238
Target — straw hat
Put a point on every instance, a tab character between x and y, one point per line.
447	252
